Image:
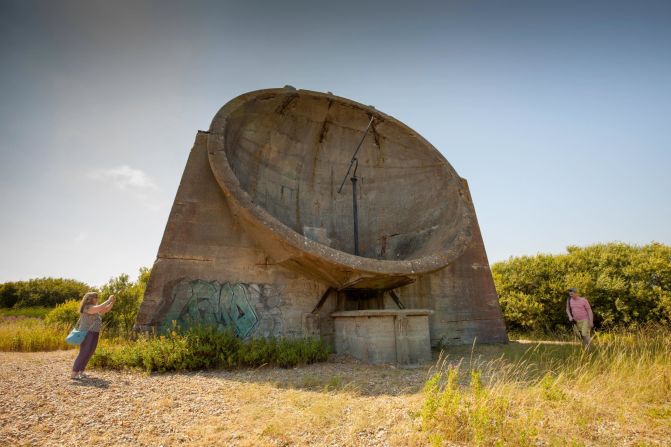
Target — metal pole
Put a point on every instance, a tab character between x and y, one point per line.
356	151
355	162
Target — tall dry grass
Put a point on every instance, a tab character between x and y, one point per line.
617	393
31	335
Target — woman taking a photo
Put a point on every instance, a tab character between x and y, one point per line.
90	320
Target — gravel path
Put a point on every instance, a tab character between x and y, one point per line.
340	402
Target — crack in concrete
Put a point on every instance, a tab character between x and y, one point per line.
187	258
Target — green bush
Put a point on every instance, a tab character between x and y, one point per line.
66	294
128	295
65	314
45	292
204	347
626	285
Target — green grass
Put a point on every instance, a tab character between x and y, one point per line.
28	312
617	393
557	335
31	335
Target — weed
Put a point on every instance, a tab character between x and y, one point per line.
203	347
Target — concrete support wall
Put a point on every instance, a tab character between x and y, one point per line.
463	297
384	336
207	266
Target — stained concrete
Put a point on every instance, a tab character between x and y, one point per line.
280	157
258	224
384	336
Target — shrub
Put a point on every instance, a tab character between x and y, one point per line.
46	292
128	295
65	314
203	347
626	285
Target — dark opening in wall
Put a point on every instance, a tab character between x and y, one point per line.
362	299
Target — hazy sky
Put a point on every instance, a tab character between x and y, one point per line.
557	112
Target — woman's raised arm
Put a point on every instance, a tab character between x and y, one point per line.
101	308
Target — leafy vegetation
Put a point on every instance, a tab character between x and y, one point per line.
66	295
21	331
43	292
65	314
556	394
120	321
204	348
626	285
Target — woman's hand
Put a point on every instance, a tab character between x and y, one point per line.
107	305
110	303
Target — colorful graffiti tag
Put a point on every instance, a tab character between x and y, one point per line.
223	305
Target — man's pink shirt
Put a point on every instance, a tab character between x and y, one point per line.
581	309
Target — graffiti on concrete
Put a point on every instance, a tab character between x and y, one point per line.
223	305
268	300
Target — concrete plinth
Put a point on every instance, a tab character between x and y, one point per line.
384	335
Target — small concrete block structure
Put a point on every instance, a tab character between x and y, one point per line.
384	335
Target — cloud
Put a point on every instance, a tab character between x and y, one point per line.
81	237
126	178
133	181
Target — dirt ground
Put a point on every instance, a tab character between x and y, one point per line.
340	402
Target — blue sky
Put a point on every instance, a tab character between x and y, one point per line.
557	113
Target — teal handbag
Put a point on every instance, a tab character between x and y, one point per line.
76	337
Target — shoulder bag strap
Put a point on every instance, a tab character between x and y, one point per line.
570	311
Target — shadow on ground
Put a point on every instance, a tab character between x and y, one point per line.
93	382
346	375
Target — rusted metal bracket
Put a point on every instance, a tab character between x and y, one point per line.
322	300
396	299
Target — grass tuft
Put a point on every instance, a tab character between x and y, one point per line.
556	395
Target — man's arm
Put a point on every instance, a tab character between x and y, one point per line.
568	309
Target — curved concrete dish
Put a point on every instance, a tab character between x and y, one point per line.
280	155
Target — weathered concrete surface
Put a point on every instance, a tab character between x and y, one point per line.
463	297
280	156
258	233
384	336
203	242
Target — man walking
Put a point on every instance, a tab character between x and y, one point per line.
579	310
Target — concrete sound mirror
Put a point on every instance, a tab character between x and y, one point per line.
301	213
